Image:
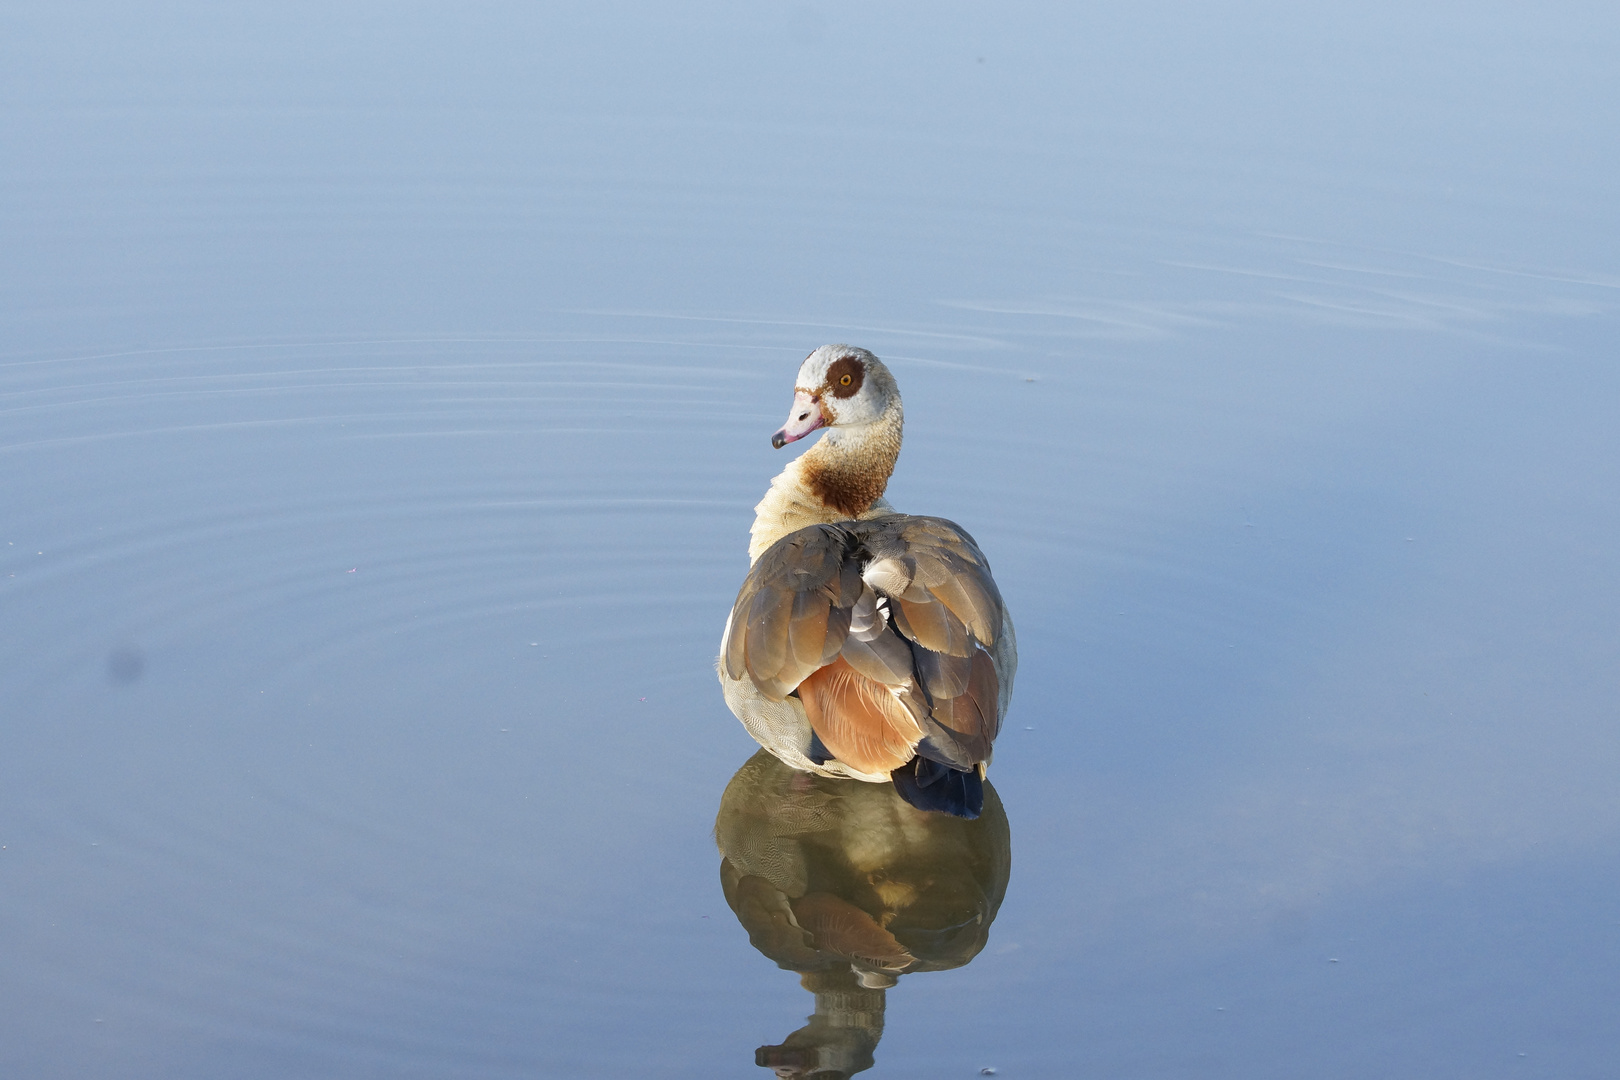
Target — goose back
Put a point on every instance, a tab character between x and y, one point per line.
890	636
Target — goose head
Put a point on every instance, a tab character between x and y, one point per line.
844	389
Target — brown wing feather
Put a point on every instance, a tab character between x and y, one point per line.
791	616
943	675
807	627
969	720
767	630
931	625
971	595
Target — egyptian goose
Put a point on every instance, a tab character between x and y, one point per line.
865	643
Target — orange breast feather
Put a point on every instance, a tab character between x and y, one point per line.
858	719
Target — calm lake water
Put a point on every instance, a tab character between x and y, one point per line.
384	393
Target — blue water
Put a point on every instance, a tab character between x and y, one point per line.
384	394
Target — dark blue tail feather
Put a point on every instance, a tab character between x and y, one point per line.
931	785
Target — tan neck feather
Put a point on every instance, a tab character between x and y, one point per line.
842	477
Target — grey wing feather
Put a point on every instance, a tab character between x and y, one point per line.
885	658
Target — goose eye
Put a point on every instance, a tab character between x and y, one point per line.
844	381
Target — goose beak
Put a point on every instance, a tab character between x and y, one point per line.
805	418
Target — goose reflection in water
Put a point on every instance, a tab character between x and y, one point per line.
847	884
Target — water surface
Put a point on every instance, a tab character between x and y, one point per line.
383	399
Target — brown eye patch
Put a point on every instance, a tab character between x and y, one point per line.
844	377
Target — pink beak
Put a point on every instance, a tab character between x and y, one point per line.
805	418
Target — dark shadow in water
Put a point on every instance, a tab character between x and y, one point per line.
846	884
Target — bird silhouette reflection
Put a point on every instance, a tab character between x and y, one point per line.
847	884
